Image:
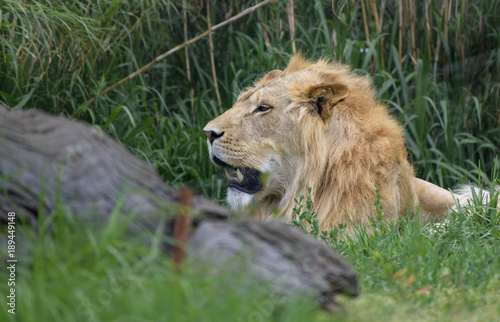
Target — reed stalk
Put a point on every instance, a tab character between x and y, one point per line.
291	23
365	21
411	8
186	53
400	47
173	50
212	58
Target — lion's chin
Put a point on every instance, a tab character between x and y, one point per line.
238	200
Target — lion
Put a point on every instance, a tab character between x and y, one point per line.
317	125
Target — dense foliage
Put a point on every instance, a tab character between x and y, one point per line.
436	64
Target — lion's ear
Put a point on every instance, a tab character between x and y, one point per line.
325	97
272	74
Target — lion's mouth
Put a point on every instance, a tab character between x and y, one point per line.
244	179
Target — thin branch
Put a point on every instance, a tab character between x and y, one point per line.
173	50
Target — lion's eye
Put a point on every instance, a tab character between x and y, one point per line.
262	108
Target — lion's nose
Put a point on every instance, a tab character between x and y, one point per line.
212	135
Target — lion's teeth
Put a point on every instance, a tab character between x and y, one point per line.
228	174
239	175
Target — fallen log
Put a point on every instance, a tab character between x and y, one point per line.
62	161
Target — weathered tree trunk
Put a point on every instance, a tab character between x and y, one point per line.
68	163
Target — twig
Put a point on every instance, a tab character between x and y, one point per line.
173	50
182	227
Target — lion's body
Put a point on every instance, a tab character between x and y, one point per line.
317	125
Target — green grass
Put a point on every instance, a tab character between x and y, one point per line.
444	271
75	272
445	92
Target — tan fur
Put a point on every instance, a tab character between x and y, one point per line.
325	131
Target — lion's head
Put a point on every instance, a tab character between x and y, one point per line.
312	125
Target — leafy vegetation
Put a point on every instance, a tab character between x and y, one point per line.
431	271
76	272
306	219
436	64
